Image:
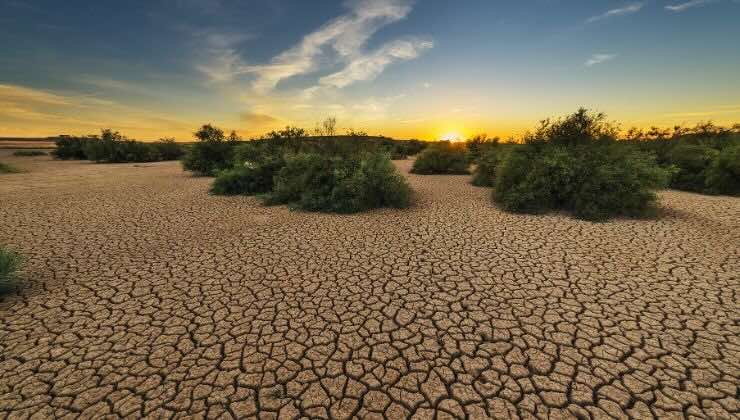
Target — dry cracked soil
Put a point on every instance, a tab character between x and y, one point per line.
147	297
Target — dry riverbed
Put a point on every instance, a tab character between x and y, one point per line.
147	297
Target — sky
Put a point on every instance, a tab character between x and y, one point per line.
424	69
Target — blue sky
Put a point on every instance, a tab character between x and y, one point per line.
422	68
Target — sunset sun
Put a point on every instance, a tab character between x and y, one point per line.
452	136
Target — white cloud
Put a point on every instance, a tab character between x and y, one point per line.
599	58
426	85
680	7
345	36
369	66
221	61
621	11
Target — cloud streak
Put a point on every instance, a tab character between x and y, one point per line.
14	93
599	59
369	66
621	11
33	111
680	7
344	36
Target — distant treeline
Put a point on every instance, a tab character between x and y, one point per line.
112	147
704	158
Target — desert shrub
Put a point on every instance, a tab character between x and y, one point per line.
258	151
315	182
692	162
167	149
484	174
412	147
241	181
112	147
401	149
255	165
441	159
693	153
575	164
723	174
71	148
29	153
374	183
616	181
535	179
9	263
212	153
478	145
8	169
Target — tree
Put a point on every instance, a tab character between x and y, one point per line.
330	126
209	133
289	132
234	137
352	133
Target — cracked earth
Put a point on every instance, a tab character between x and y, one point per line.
147	297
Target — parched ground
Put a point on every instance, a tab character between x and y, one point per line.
149	298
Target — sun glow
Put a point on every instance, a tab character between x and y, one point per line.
452	136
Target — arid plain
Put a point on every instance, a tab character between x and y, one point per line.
147	297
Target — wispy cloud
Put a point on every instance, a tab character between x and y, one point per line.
345	36
599	58
31	111
223	61
727	109
257	119
14	93
621	11
680	7
369	66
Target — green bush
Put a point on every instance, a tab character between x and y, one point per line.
692	162
484	174
479	145
441	159
723	174
616	181
314	182
29	153
255	165
8	169
212	153
240	181
249	179
167	149
112	147
71	148
9	264
588	174
535	179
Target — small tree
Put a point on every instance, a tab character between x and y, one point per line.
212	153
209	133
330	126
